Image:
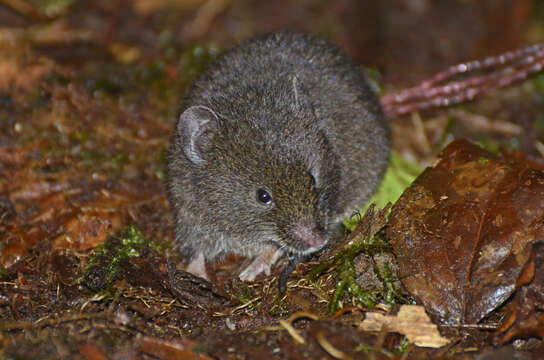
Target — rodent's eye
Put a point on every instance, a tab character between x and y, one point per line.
264	197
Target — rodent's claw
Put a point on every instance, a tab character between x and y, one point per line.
291	266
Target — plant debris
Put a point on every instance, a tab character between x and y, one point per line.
89	93
108	259
363	240
525	317
463	232
411	321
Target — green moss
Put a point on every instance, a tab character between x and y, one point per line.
538	80
403	346
246	294
114	79
52	8
346	277
391	294
57	78
159	174
195	59
91	155
483	160
160	165
108	82
120	159
364	348
399	175
347	282
106	261
37	100
367	239
152	73
79	137
490	145
374	78
514	143
94	160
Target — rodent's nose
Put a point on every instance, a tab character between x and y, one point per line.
310	237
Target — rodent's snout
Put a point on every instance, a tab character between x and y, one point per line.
311	238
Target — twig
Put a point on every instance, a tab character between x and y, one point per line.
288	324
330	349
24	8
444	89
473	326
39	323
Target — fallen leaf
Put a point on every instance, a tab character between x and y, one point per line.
85	230
411	321
462	233
524	316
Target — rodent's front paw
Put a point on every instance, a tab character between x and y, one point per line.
197	267
262	263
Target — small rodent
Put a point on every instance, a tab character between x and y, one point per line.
278	140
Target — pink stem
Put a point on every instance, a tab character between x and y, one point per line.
502	70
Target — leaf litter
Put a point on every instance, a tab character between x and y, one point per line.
81	164
465	232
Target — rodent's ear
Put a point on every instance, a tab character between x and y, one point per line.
196	128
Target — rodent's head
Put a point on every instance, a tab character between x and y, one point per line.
261	180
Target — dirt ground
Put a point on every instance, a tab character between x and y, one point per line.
89	93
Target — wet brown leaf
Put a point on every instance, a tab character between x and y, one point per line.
524	315
463	231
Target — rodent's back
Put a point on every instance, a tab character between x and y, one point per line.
341	98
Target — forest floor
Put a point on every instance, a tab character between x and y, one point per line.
89	94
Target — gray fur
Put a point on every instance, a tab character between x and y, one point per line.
284	108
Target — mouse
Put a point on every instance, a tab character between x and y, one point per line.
277	141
